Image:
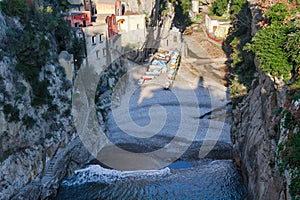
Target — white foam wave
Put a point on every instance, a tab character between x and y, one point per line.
98	174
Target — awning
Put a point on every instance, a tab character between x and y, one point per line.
121	20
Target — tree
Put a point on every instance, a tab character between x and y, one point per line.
236	6
77	50
277	13
219	7
292	44
268	45
13	7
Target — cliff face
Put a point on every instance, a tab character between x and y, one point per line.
255	132
38	143
255	140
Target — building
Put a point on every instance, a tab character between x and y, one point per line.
80	18
75	5
217	27
106	7
173	40
83	5
195	7
132	22
133	29
89	5
112	25
119	8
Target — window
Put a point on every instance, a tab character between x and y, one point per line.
175	38
137	26
93	40
101	37
104	52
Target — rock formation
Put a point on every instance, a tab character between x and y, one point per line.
255	140
38	144
258	131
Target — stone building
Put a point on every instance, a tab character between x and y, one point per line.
217	27
173	40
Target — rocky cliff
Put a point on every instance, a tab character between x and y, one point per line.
38	141
255	139
259	131
38	138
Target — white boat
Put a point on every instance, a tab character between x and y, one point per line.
141	81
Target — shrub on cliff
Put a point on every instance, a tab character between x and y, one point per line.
219	7
242	66
13	7
275	46
43	33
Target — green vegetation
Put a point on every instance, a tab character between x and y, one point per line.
182	9
242	66
277	13
237	6
268	47
11	112
219	7
277	50
288	152
276	46
289	121
13	7
77	49
28	121
45	33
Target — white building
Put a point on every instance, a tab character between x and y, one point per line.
132	28
195	6
217	27
173	39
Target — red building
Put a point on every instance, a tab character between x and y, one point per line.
112	25
80	18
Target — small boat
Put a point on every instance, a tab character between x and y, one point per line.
141	81
148	77
167	85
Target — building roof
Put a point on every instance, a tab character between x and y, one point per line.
75	1
78	12
105	2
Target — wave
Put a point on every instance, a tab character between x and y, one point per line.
98	174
